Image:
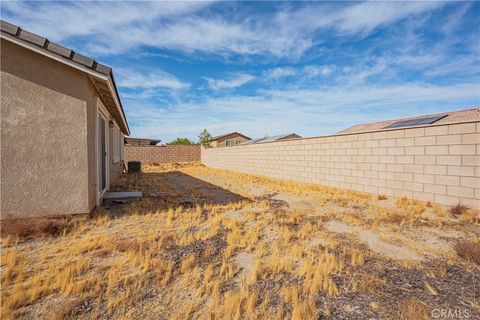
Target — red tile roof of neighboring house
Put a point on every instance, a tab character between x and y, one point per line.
466	115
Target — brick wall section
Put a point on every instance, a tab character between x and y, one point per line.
162	154
436	163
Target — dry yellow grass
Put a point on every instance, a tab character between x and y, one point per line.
178	262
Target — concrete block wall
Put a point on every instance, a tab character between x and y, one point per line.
162	154
432	163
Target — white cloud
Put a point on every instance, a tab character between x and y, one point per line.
131	79
233	82
315	71
280	72
367	16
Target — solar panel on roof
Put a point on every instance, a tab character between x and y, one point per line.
415	122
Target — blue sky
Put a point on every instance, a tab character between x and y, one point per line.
312	68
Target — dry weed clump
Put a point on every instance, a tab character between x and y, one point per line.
469	250
458	209
32	227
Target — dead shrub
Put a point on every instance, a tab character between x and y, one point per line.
382	197
167	242
458	209
125	245
102	253
32	227
65	309
468	250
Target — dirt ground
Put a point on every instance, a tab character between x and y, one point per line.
208	244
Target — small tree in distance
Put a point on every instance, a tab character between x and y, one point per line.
204	138
181	141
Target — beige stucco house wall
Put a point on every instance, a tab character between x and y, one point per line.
49	136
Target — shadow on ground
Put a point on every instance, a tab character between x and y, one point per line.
172	189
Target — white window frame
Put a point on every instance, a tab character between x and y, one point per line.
227	144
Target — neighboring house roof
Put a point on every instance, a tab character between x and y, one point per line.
141	141
274	138
101	75
459	116
229	134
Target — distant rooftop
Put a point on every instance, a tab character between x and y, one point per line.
141	141
274	138
229	134
459	116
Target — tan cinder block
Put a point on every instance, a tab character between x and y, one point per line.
471	138
404	142
378	166
447	180
379	135
468	149
470	161
461	171
413	168
378	182
435	188
461	128
449	160
402	176
450	139
436	130
395	167
460	191
396	151
425	141
413	186
395	134
470	182
417	150
417	132
436	150
405	159
425	160
424	178
386	143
